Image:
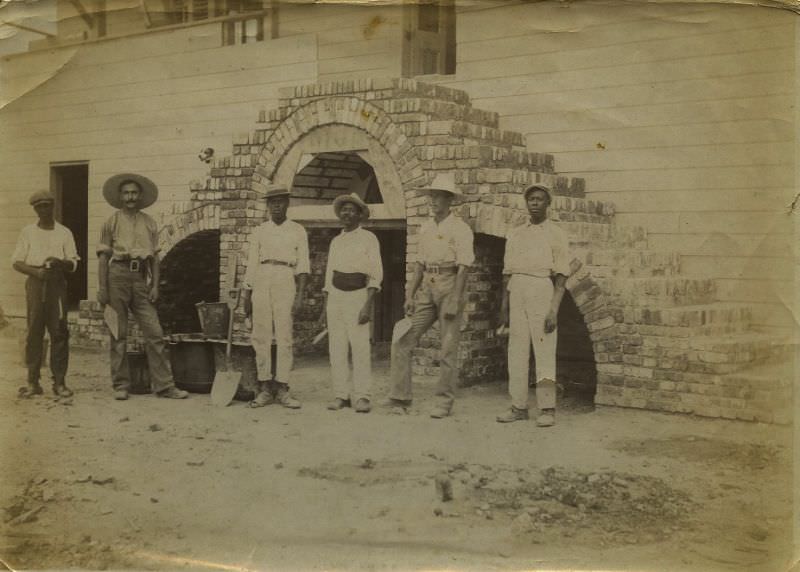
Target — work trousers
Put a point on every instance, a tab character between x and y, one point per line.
344	332
128	290
46	303
272	297
529	304
429	306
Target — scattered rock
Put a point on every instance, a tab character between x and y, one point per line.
368	464
153	500
522	524
103	481
438	511
444	487
278	465
124	419
757	532
155	427
28	516
195	463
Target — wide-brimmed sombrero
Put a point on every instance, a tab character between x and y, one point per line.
111	190
352	198
443	182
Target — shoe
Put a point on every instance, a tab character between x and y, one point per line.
440	412
30	390
338	404
61	390
547	418
284	398
120	394
173	393
363	406
391	402
512	415
262	399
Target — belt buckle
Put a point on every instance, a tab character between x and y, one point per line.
433	270
134	265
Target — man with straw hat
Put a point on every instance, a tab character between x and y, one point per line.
45	251
128	280
352	277
535	271
278	255
444	254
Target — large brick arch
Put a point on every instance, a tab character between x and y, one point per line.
343	110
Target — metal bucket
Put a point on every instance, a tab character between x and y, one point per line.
213	319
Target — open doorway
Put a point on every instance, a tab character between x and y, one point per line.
70	185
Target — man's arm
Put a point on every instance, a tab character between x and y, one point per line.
155	274
102	277
416	280
35	271
551	320
455	298
505	315
302	279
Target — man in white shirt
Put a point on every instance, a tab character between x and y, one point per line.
445	253
278	255
352	277
46	250
535	271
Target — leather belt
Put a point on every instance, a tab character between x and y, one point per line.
277	262
441	268
133	264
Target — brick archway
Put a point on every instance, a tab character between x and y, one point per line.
180	224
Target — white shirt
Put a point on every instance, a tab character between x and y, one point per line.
355	251
448	242
537	250
35	245
286	242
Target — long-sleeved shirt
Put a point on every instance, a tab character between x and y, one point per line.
286	242
355	251
447	242
129	236
35	245
537	250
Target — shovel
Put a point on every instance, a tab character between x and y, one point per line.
227	382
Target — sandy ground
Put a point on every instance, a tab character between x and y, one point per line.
157	484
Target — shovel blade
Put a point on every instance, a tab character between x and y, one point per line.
224	388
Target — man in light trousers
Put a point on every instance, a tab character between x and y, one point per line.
352	278
535	271
278	254
445	252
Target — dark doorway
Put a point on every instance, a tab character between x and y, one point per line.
390	300
70	185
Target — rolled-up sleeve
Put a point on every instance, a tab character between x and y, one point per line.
152	236
303	264
70	250
375	265
22	248
465	252
561	257
510	257
105	246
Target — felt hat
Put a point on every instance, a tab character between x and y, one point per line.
538	187
443	182
272	191
352	198
41	197
112	185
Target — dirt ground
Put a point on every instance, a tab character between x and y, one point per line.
160	484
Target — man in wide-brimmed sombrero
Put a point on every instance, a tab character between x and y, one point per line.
352	277
444	254
128	280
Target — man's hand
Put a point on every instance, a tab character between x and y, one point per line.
550	322
505	315
102	296
296	305
450	307
365	315
153	296
409	307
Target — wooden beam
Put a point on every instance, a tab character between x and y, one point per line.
28	29
88	18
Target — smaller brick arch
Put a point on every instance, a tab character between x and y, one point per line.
180	224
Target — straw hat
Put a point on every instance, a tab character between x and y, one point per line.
443	182
112	185
352	198
273	191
